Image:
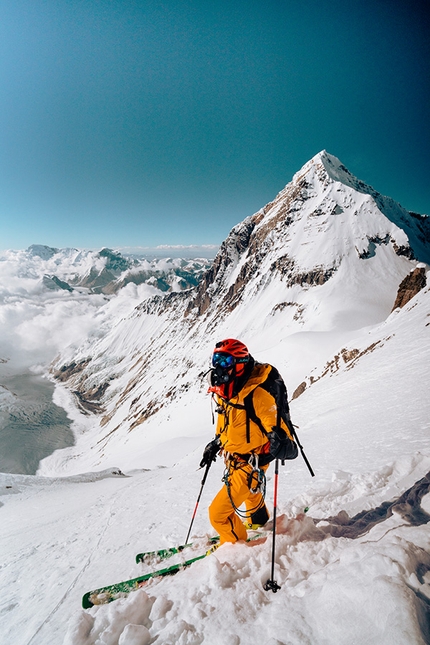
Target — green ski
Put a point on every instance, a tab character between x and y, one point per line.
147	557
163	554
107	594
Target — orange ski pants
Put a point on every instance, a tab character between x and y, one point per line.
222	514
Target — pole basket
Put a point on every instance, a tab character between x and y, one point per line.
271	585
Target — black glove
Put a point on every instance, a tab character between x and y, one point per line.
210	452
281	446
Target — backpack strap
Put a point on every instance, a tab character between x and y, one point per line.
252	415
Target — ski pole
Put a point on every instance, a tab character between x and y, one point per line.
198	500
294	433
271	584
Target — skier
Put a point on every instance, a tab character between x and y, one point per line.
247	418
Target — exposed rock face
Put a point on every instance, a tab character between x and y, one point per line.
232	248
347	359
97	280
54	283
87	399
115	261
299	390
410	286
66	372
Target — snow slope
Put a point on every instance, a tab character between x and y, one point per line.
356	567
344	578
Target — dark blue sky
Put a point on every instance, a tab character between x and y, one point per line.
167	122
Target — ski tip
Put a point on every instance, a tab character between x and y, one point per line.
86	602
99	597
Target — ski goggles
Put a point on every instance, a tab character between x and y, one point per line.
225	361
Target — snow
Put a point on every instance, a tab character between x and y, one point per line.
354	569
362	588
366	433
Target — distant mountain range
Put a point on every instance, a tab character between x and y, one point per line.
107	271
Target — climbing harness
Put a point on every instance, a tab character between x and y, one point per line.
256	480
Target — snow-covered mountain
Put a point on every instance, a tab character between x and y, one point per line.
329	282
300	282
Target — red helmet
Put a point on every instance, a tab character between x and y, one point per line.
233	347
229	359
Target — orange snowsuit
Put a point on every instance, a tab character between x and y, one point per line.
240	439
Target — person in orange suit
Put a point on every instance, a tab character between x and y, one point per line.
247	417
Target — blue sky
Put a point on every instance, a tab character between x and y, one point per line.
167	122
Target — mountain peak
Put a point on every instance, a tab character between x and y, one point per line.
325	167
42	251
325	175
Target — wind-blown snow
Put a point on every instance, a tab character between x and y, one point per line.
356	567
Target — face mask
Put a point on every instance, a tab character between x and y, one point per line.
220	376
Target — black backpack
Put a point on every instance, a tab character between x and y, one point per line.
281	446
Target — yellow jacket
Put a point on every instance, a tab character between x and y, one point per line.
232	417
